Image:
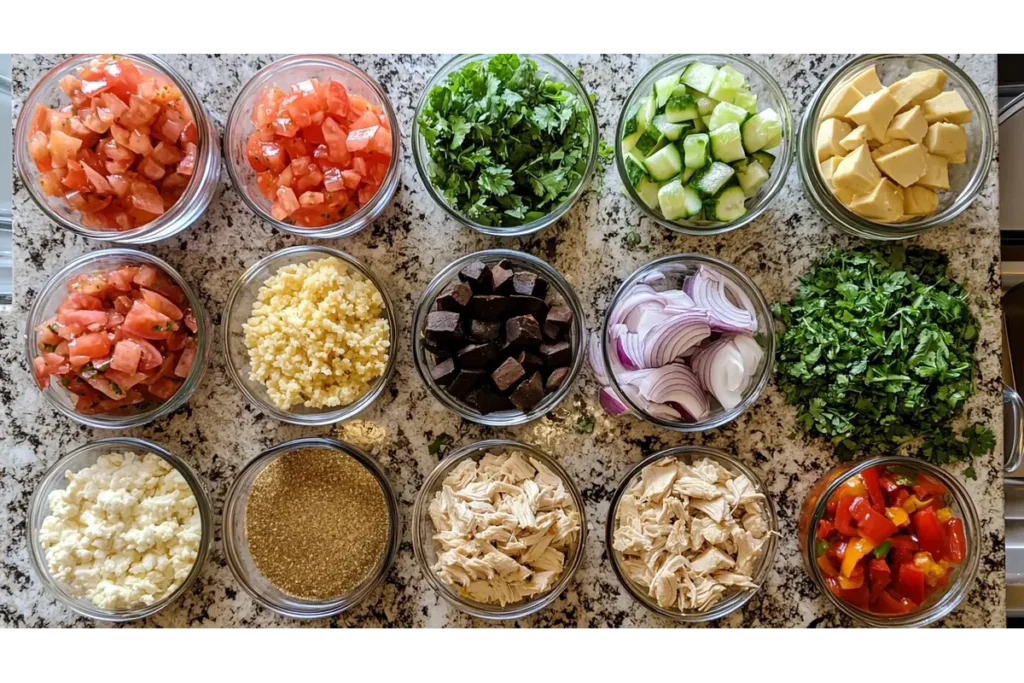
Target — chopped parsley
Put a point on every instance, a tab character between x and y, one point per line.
440	444
631	239
585	424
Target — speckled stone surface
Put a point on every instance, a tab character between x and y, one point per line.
217	432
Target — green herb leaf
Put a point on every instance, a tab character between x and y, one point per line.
971	474
632	239
585	424
439	444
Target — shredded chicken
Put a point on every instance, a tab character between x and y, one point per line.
690	534
504	526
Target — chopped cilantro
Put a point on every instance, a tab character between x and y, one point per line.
632	239
117	389
585	424
440	444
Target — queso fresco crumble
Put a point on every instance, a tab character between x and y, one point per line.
316	336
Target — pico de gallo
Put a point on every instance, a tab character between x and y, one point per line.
889	540
319	151
122	151
120	338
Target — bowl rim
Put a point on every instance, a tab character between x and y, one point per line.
965	575
764	565
235	505
547	63
783	160
565	291
324	417
206	153
419	519
754	391
204	340
37	512
830	208
366	213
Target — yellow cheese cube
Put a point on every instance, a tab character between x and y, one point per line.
936	174
918	87
840	102
855	139
867	82
830	133
946	139
960	158
846	196
910	125
947	106
876	110
919	201
884	203
857	172
889	147
828	168
906	166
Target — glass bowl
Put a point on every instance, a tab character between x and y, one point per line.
186	211
738	598
238	309
769	95
939	605
423	533
50	297
557	72
242	565
284	73
676	268
965	180
563	294
54	480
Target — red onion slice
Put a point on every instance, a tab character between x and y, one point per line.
668	340
611	403
638	295
710	290
726	366
596	362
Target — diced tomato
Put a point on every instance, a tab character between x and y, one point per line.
359	138
93	345
929	531
164	388
287	199
127	355
955	549
910	583
188	357
161	303
337	99
148	323
91	320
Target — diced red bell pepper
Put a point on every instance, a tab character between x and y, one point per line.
956	542
826	566
926	486
910	582
903	549
871	524
825	529
879	577
871	481
836	551
844	517
929	531
888	603
858	597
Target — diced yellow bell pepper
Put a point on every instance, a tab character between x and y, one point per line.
897	516
933	571
856	550
854	486
944	514
851	583
913	504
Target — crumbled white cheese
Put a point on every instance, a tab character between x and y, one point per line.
124	533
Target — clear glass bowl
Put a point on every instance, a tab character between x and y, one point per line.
54	480
284	73
940	604
186	211
562	292
676	269
557	72
423	533
238	309
737	598
236	547
769	94
965	180
54	291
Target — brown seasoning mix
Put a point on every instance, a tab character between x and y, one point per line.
316	522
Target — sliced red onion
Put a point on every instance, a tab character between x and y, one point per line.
669	339
640	294
629	350
725	370
611	403
710	290
677	298
653	276
750	350
596	362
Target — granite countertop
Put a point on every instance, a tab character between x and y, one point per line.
217	432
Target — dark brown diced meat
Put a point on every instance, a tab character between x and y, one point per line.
485	330
501	279
556	355
443	328
455	297
476	355
478	276
488	307
529	392
528	305
530	361
507	374
559	317
488	401
465	381
552	332
528	284
444	372
556	379
522	330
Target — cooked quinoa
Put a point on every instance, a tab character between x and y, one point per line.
316	335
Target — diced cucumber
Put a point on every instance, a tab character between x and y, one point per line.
727	83
699	127
706	120
672	200
727	143
712	178
663	88
760	129
693	201
651	140
751	176
695	150
747	100
699	76
687	174
648	108
728	205
672	131
774	142
636	169
664	164
727	113
705	105
681	106
629	142
764	158
648	191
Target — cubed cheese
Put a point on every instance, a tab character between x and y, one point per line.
876	110
936	174
840	102
830	133
947	106
919	201
888	147
867	81
859	136
960	158
844	195
918	87
910	125
828	169
905	166
946	139
857	171
884	203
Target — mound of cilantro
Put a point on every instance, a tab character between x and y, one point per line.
877	352
507	144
